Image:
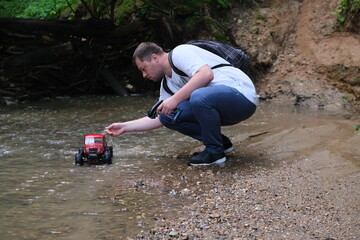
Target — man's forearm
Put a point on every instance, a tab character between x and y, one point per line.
143	124
200	79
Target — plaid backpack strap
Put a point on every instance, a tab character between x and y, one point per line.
181	73
236	57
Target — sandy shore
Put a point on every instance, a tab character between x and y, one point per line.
290	179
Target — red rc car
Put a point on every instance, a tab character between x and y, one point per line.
95	149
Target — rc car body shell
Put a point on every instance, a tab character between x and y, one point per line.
95	149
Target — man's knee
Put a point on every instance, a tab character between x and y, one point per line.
166	120
197	98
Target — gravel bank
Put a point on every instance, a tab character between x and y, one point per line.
295	181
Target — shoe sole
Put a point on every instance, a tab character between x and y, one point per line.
228	149
221	160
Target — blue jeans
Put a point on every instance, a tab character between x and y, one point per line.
206	111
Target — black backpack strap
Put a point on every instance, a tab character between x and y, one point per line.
178	71
166	87
222	65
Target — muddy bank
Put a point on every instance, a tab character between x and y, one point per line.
309	60
296	177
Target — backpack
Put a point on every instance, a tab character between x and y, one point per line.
236	57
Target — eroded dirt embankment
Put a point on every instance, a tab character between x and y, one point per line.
311	61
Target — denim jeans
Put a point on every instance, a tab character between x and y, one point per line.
206	111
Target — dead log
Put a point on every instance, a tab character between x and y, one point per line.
2	101
7	93
39	56
100	28
89	45
109	77
81	28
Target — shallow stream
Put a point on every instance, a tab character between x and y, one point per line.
43	195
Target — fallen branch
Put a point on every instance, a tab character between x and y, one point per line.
258	134
7	93
113	82
39	56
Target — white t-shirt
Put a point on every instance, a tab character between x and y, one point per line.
189	59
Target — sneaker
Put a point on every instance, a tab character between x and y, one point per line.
228	146
206	158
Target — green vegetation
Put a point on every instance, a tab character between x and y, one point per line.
348	11
189	15
40	9
47	9
123	11
182	15
260	17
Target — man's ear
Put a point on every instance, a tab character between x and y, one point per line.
155	57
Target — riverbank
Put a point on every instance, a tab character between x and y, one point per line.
294	178
310	60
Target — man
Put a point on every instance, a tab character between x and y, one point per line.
209	98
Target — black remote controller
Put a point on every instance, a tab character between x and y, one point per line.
152	112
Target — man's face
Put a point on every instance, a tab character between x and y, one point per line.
150	69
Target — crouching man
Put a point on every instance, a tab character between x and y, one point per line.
210	92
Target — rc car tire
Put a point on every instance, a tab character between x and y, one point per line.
111	150
108	157
78	159
81	151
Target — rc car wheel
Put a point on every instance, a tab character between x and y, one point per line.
78	159
81	150
108	157
111	150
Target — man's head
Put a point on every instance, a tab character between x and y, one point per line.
147	58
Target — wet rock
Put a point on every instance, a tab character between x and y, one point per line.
185	192
173	234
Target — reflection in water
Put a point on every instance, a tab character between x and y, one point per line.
43	195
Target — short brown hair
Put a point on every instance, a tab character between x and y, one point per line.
144	51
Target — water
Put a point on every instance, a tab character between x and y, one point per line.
43	195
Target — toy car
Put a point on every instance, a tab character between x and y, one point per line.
95	149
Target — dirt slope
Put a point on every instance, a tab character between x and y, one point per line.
311	61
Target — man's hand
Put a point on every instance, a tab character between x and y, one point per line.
167	106
200	79
115	129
